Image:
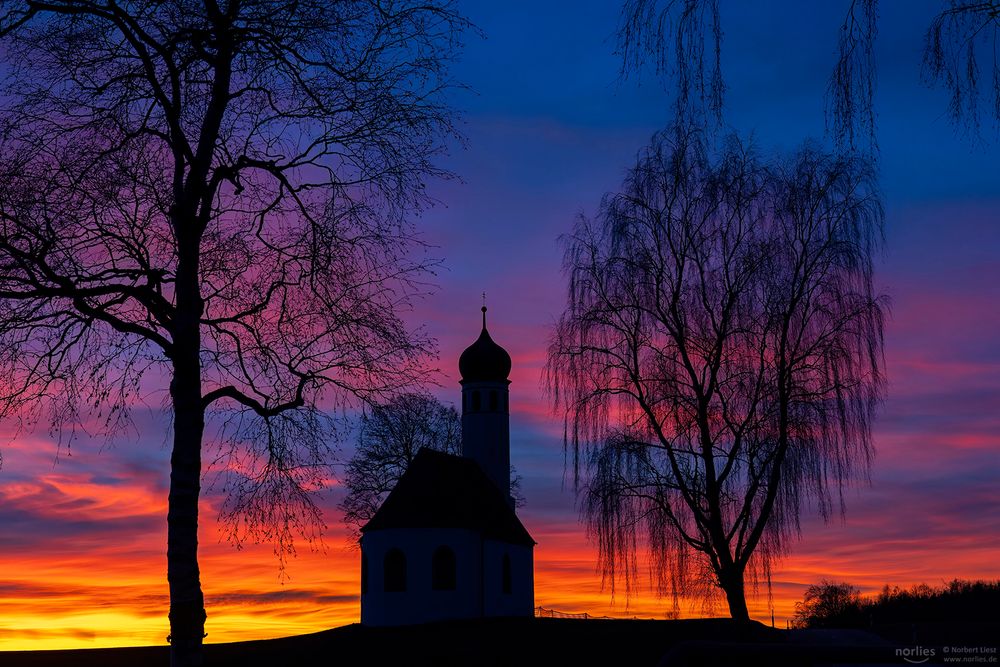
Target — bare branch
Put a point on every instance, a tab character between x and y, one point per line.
958	41
850	94
673	34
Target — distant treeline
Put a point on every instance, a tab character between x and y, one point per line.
841	605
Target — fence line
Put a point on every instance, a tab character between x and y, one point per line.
542	612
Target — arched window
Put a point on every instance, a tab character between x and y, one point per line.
493	401
443	569
394	571
505	576
475	401
364	573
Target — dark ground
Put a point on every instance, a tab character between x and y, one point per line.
527	642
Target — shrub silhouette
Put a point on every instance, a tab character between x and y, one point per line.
841	605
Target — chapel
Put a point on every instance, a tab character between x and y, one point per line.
447	543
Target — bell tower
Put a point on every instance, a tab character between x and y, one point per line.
484	367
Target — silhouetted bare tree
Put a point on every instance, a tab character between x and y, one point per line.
217	191
683	38
719	358
389	437
934	611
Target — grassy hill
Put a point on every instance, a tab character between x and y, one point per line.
501	642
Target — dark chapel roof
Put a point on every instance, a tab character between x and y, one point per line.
446	491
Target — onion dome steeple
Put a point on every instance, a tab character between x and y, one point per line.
486	408
484	360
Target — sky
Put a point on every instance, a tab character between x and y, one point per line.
550	127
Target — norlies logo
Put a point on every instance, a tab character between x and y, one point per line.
916	654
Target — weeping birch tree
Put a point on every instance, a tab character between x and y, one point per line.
719	360
216	194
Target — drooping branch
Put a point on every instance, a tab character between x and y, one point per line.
851	91
958	41
683	40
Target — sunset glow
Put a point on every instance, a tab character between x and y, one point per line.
83	529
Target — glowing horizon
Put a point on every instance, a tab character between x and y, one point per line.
105	517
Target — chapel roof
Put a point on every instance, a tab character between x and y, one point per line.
441	490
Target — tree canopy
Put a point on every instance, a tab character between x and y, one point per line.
389	436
